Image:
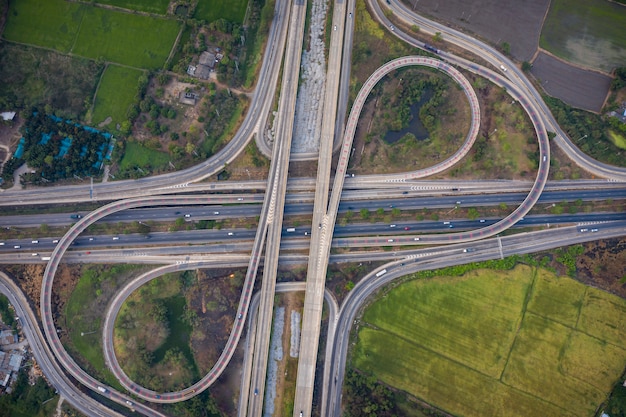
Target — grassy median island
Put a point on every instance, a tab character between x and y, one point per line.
518	342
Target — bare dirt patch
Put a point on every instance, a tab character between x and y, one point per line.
515	22
577	87
602	265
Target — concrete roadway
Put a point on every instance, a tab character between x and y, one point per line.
245	388
313	301
310	325
436	196
272	218
492	248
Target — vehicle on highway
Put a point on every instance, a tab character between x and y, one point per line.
392	28
216	212
594	230
102	389
177	213
407	228
231	234
55	241
350	15
584	230
544	158
503	68
392	225
88	252
306	233
291	229
17	246
390	240
256	391
116	238
381	273
240	316
34	241
481	220
450	226
300	413
335	28
1	243
240	199
187	215
446	222
91	239
129	403
76	216
469	250
35	254
458	202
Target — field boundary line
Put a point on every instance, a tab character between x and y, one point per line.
521	321
121	9
439	354
95	93
80	25
166	64
580	308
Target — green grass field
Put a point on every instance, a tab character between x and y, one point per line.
51	23
129	39
507	343
137	155
586	32
115	95
150	6
212	10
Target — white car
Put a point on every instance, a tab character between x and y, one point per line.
503	68
392	225
187	215
55	241
231	234
216	212
35	241
116	238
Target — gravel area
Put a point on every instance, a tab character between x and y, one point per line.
577	87
276	355
310	100
294	347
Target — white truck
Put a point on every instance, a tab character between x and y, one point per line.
102	389
381	273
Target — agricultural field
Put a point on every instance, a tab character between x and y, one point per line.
589	33
149	6
103	31
116	93
212	10
51	24
508	343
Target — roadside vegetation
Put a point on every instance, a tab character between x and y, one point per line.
149	6
26	400
518	339
7	315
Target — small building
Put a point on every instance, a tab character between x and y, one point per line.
191	70
188	98
207	58
7	337
7	115
203	72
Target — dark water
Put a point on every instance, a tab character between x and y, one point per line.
415	125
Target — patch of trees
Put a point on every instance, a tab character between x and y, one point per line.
588	131
365	396
616	406
619	81
149	107
81	159
218	111
25	400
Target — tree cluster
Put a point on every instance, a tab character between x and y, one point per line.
366	397
86	150
25	400
217	114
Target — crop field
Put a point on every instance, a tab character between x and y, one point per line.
116	93
51	23
508	343
586	32
150	6
212	10
146	41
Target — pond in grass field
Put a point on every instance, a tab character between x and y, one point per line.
415	125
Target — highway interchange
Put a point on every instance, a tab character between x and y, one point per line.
130	196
